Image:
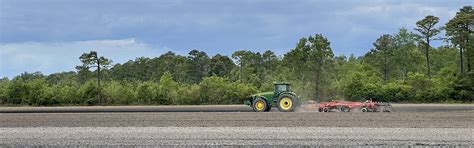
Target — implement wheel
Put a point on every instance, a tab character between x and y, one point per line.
260	105
325	109
287	103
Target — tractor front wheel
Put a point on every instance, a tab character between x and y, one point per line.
287	103
269	107
260	105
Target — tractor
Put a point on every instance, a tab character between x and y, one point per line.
281	97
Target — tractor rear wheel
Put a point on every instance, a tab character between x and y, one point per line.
287	103
260	105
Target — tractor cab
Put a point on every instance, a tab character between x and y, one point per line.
282	87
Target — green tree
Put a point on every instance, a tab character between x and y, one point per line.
213	90
250	67
144	93
165	62
199	65
88	93
92	60
237	92
140	69
62	78
423	87
463	88
16	91
361	81
426	28
30	76
221	65
68	94
444	57
460	32
270	60
117	93
311	61
4	82
35	90
241	57
187	94
320	54
272	67
383	54
406	57
167	88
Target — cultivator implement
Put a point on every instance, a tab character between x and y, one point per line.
287	101
351	106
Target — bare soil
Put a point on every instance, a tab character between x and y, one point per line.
241	119
235	137
413	125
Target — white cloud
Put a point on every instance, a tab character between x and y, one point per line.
51	57
213	26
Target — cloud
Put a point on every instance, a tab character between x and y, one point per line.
51	57
214	26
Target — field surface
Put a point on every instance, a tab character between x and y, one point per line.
413	124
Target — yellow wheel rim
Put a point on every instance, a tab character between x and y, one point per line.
259	105
286	103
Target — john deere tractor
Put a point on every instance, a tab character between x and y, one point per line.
281	97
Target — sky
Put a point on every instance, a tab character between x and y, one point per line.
50	35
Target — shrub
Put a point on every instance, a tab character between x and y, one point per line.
89	93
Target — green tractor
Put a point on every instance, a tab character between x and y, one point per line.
282	97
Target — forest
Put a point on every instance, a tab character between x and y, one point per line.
400	67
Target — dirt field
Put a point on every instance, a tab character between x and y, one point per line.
242	119
413	125
236	136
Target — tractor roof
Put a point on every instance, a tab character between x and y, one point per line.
281	83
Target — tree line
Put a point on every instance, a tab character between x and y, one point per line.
401	67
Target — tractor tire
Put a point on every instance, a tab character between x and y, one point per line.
260	105
287	103
268	108
364	109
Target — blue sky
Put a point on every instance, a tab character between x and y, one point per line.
50	35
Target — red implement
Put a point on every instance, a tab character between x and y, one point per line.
351	106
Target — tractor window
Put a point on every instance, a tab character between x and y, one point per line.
282	88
